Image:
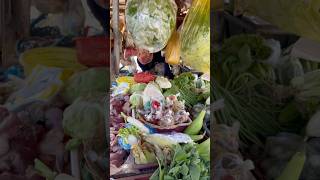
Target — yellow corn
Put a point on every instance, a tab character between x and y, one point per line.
64	58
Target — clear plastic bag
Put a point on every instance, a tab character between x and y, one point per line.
41	85
195	36
151	23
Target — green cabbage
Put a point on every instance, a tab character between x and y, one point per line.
295	16
136	100
91	81
84	119
151	23
139	87
195	36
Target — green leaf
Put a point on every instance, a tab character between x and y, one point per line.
184	170
195	172
155	175
166	177
73	144
245	59
44	170
175	170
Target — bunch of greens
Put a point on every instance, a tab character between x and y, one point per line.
245	81
185	85
186	164
240	54
256	43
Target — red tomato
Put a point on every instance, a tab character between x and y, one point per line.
144	77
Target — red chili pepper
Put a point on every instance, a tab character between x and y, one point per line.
155	104
144	77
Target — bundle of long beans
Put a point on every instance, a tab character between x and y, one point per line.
255	112
245	83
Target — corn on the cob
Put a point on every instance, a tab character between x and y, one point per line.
64	58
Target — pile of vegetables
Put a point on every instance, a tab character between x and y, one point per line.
149	125
275	99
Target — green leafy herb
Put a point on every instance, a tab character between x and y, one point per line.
185	164
185	85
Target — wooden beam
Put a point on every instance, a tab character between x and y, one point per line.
117	40
15	24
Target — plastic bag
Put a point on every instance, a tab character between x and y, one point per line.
151	23
42	85
173	49
195	36
232	165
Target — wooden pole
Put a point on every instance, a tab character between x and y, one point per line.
15	24
117	39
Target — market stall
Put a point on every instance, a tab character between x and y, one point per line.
160	105
53	83
266	65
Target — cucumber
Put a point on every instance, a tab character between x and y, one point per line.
196	125
294	167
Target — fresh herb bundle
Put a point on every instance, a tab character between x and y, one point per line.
186	164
